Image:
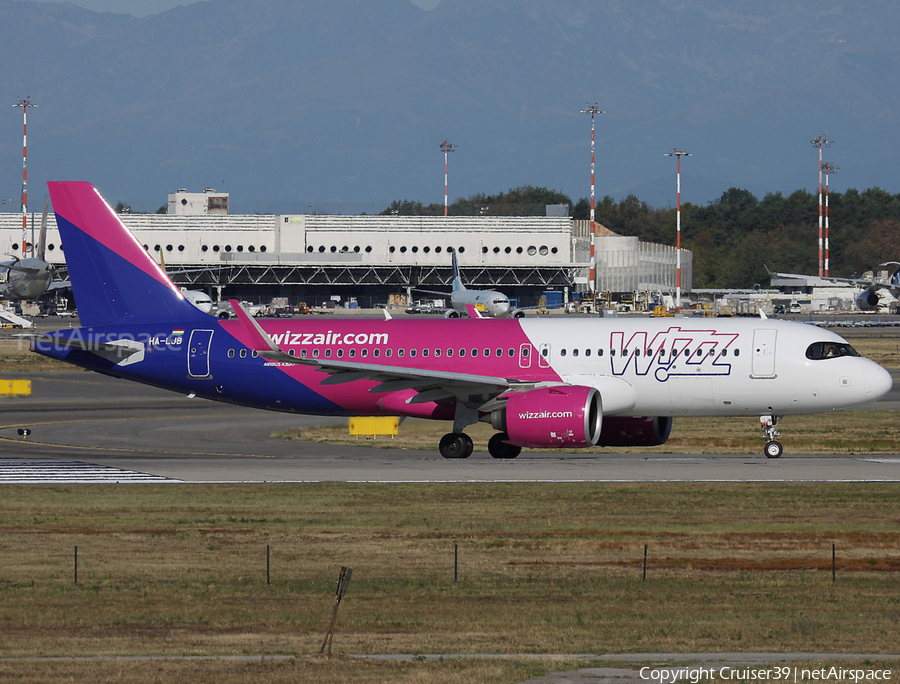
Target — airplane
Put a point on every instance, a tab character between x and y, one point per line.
569	382
868	299
489	303
26	279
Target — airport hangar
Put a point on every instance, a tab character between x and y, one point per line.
376	260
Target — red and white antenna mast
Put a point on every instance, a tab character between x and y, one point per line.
829	169
446	147
819	143
678	154
25	104
593	111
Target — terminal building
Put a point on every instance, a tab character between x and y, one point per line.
375	260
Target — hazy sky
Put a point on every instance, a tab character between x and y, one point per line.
142	8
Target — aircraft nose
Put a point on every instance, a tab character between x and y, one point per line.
878	382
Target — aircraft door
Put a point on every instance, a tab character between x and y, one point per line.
763	364
525	355
198	353
544	358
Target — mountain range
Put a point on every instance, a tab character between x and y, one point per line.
341	105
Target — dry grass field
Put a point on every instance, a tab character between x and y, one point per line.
181	570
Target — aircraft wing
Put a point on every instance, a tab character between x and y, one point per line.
859	282
473	390
432	292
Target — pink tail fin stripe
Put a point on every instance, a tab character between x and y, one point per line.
81	204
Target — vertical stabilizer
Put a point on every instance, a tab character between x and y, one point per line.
457	281
114	279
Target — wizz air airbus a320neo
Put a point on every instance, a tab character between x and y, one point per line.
541	383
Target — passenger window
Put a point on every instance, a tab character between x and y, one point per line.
413	352
352	353
254	353
737	352
315	353
462	352
487	353
562	352
437	353
474	353
302	353
340	353
243	353
291	352
400	353
599	352
544	352
327	353
424	352
389	352
231	353
575	351
376	353
364	352
449	352
499	352
511	353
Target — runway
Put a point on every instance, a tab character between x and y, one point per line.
86	428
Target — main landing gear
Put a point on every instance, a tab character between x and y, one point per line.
459	445
456	445
773	447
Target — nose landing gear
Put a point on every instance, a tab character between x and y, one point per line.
773	447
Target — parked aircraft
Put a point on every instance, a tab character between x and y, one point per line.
489	303
26	279
868	299
569	382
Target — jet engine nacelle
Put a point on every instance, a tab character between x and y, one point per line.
642	431
551	417
517	313
867	300
452	313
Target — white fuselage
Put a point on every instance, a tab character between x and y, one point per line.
744	366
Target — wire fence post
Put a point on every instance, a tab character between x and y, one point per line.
645	564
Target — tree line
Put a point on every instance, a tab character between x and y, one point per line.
733	238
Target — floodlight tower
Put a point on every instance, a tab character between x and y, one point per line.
447	147
678	154
819	143
24	104
829	169
593	111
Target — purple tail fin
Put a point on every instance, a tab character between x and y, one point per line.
114	279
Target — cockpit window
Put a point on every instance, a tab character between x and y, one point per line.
829	350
